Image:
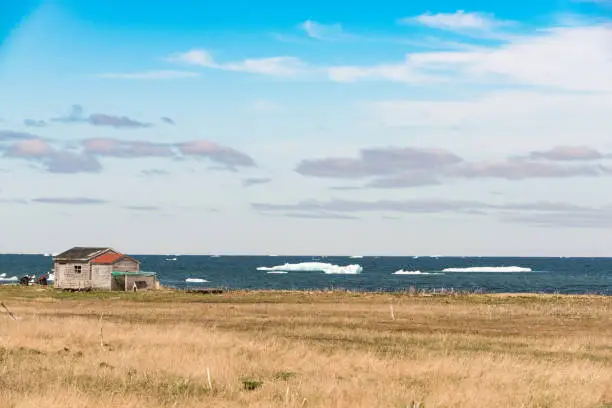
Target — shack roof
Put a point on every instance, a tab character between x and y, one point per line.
108	258
81	253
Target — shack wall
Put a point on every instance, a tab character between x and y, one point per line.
126	265
101	276
66	276
142	282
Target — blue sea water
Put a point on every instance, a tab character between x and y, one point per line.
546	275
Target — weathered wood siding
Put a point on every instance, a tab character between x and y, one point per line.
126	265
101	276
142	282
67	278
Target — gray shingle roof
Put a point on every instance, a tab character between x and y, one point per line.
81	253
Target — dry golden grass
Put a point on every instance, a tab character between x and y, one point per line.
303	350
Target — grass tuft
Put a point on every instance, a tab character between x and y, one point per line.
284	375
251	384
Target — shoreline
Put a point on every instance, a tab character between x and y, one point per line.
406	291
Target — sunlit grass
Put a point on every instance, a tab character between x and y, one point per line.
301	349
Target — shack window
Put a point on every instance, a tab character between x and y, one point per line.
77	268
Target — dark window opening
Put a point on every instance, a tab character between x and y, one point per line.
77	268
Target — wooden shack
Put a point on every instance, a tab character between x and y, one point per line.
100	268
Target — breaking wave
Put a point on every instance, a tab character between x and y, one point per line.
277	272
403	272
195	280
327	268
489	269
4	279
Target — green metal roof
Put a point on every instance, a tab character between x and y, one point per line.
141	273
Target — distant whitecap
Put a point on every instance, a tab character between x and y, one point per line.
489	269
195	280
327	268
403	272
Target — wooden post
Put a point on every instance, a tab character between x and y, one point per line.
8	311
101	333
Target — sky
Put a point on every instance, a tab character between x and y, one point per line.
447	127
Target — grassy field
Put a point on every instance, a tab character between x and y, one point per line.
282	349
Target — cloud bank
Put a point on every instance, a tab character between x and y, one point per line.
77	115
393	167
85	157
554	214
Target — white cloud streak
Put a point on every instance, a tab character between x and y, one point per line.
326	32
273	66
460	20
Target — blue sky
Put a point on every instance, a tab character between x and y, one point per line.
453	128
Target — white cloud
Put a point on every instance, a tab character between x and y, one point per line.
459	20
472	24
322	31
390	72
574	58
200	58
274	66
577	58
167	74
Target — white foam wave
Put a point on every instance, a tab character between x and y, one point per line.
277	272
4	279
489	269
2	275
327	268
356	257
195	280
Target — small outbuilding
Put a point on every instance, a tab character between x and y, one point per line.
100	268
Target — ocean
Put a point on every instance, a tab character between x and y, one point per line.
483	274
